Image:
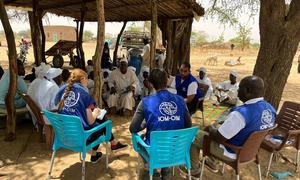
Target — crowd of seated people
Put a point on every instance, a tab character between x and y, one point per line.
50	88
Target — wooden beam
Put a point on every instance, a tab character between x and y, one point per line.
98	52
57	6
13	71
80	40
117	43
153	33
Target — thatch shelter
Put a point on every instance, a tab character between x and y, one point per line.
174	18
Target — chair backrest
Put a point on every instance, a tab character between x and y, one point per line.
68	130
251	146
287	117
171	148
36	111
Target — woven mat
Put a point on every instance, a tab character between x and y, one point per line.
211	113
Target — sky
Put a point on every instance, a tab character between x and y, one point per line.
211	27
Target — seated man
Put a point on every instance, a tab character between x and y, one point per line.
227	91
203	79
146	88
21	87
256	114
149	110
187	87
105	87
30	77
43	91
122	83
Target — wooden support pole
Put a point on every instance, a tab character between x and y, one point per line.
35	32
80	37
98	53
13	71
153	33
43	36
117	43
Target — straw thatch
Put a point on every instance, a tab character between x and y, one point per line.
116	10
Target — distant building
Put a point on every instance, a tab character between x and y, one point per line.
56	33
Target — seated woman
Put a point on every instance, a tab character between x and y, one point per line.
74	99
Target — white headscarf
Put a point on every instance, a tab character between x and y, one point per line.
143	69
234	73
53	73
41	71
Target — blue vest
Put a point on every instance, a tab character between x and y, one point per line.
258	116
163	111
182	88
76	103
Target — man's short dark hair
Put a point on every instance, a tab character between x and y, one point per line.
186	65
158	78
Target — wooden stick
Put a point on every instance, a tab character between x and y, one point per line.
13	71
98	53
153	33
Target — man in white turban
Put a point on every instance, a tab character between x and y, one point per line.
122	83
203	79
146	88
44	88
227	91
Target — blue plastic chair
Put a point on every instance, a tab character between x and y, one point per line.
69	134
167	148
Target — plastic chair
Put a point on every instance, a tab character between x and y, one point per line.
69	134
244	154
200	104
288	129
167	148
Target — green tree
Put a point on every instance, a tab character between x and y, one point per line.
199	37
88	35
134	28
279	28
243	37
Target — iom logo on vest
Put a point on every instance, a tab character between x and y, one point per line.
167	112
266	119
71	101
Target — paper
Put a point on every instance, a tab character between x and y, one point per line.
101	114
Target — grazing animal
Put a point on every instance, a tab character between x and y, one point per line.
213	60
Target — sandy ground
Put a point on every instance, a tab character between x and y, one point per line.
27	158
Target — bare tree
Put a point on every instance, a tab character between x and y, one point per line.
279	24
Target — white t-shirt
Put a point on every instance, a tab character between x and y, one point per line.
232	125
192	88
205	81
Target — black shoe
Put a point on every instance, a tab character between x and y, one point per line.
96	158
118	147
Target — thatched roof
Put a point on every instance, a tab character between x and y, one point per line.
116	10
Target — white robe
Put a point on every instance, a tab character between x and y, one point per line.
207	82
43	92
120	81
232	92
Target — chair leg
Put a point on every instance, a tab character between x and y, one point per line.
51	164
237	177
259	172
151	177
138	167
223	168
173	171
202	167
80	157
203	123
106	162
83	169
269	165
297	160
189	173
